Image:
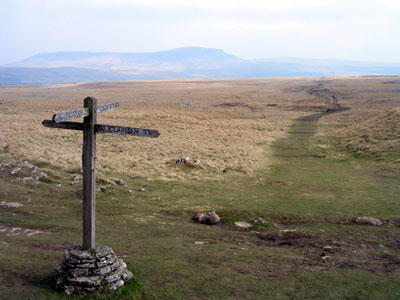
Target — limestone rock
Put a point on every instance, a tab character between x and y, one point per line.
116	285
40	176
87	271
5	165
127	275
201	243
32	168
183	160
326	257
10	204
368	221
119	181
210	218
85	281
15	171
69	290
258	220
242	224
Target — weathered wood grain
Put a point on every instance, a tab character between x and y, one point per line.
142	132
82	112
69	115
106	107
99	128
89	174
63	125
90	128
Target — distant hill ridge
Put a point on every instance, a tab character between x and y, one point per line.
187	62
112	59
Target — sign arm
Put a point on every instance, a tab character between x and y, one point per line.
90	128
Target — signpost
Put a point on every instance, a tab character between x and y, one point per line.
82	112
90	128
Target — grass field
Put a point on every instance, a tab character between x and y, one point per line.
302	170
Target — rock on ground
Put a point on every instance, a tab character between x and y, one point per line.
84	271
258	220
210	218
242	224
368	221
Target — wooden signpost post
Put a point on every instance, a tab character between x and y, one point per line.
90	128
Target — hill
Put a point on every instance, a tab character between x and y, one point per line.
187	62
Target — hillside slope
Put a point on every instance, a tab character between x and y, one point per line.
187	62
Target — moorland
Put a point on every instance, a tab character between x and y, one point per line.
275	149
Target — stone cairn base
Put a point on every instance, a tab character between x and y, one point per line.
88	271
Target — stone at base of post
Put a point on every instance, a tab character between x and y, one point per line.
92	270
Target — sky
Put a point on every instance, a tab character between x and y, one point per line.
365	30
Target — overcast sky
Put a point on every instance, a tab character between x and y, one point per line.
367	30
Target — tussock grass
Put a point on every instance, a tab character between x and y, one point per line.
222	136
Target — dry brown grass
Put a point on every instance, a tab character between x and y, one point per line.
230	125
372	126
212	130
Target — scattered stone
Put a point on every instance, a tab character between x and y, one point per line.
326	257
32	168
127	275
187	103
76	178
288	230
183	160
327	248
72	183
260	179
258	220
368	221
10	204
87	271
5	165
89	281
27	178
208	164
141	190
31	232
41	175
210	218
68	290
59	185
201	243
196	161
243	224
13	231
15	171
117	285
119	181
130	191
